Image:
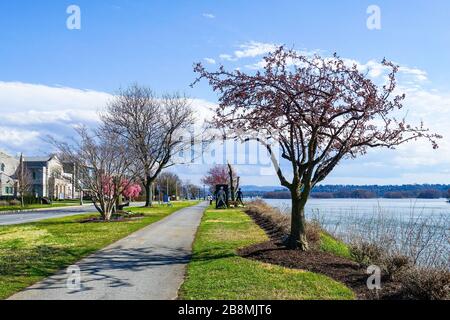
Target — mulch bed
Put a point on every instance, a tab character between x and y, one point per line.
119	218
340	269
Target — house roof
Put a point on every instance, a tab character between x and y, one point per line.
5	155
39	159
36	159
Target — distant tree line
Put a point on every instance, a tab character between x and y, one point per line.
425	191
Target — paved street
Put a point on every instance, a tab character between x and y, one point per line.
31	216
147	265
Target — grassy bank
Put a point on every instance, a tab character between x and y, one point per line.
217	272
33	251
57	204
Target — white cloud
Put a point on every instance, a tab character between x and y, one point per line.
210	60
209	15
250	49
32	111
17	137
228	57
17	97
375	69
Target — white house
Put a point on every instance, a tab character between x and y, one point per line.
49	178
8	169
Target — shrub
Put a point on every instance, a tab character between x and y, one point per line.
366	253
313	232
3	203
393	265
282	222
425	284
15	203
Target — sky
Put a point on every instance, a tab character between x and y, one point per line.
53	78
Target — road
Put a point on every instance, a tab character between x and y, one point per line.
31	216
147	265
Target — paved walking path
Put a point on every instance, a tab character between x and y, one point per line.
147	265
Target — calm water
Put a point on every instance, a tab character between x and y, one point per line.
407	225
396	208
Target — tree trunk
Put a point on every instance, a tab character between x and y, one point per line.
148	192
297	238
232	190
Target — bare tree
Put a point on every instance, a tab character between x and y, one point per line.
151	127
105	167
233	180
24	181
169	183
317	110
192	191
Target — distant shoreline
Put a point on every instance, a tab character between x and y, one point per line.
377	198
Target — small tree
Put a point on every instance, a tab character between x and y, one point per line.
24	181
106	169
216	175
317	110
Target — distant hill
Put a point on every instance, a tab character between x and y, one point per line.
262	188
423	191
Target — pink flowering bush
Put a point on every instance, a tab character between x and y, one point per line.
126	188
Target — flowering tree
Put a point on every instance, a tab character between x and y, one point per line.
106	169
317	110
216	175
131	190
126	188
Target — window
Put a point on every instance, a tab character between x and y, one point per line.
34	175
2	167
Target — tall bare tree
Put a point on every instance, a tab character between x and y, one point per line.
152	128
105	168
317	110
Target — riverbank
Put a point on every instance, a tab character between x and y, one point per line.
401	277
217	271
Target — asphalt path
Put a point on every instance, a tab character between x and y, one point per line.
147	265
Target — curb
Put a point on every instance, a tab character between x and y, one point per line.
40	209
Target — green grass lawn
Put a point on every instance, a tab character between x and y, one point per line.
217	272
55	204
32	251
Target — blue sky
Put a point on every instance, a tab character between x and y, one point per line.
45	69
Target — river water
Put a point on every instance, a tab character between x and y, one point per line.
417	227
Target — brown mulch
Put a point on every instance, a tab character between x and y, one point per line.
340	269
120	218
